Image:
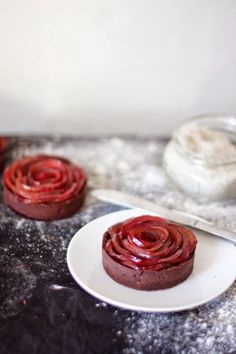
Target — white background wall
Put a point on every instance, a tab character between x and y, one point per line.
100	66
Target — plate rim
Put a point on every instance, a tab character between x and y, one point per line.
120	304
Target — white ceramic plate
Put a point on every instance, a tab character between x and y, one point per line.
214	270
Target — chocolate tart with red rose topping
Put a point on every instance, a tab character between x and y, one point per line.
3	145
44	187
148	253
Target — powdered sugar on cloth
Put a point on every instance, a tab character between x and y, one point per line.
135	166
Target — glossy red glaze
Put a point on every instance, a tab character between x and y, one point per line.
44	179
150	242
44	187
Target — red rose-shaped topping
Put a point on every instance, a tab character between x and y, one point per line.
44	179
149	242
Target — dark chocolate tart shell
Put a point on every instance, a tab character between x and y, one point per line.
43	211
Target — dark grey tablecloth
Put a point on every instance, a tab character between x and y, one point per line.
42	309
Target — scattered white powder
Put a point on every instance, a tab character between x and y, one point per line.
16	285
133	166
109	161
209	329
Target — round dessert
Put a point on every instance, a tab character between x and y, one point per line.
148	253
3	145
44	187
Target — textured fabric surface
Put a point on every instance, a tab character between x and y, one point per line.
42	309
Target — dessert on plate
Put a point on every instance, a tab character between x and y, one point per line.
44	187
148	253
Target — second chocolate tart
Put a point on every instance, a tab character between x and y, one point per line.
44	187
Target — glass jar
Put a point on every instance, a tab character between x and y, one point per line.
200	159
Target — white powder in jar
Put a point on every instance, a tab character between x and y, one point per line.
208	145
202	162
